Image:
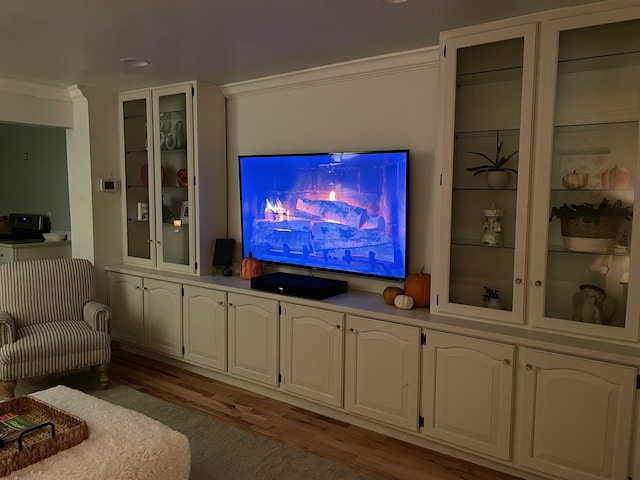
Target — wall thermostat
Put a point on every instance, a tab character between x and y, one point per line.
108	185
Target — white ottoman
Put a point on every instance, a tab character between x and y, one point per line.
122	444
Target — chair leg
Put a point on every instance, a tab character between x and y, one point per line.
7	389
103	372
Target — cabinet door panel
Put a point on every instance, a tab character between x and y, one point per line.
483	236
205	327
253	338
468	392
174	196
163	316
588	131
137	174
575	416
125	301
382	371
312	353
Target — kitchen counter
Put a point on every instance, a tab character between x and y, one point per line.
20	250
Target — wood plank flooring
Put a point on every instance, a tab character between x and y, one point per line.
372	454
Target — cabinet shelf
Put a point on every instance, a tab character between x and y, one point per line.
484	189
486	133
590	126
513	73
468	242
559	249
598	62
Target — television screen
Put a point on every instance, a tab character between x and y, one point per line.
344	212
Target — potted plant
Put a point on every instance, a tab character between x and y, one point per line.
491	298
497	173
590	228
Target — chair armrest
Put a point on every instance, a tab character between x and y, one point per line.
8	332
97	315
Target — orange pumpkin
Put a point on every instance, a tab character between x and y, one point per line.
390	293
615	178
250	267
418	286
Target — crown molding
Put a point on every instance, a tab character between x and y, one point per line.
367	67
36	90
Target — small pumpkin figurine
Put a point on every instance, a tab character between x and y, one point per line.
575	180
615	178
390	293
403	302
250	267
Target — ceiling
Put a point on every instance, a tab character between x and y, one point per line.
66	42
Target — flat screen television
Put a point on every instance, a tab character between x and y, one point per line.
342	212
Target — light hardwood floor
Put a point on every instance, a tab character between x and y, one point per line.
372	454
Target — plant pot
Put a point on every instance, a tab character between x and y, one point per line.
495	303
497	179
579	236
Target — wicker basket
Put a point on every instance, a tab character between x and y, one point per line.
606	228
38	445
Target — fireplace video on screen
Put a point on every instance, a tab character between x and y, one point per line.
344	212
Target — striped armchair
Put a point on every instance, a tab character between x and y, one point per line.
49	321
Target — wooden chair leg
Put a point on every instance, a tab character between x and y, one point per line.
7	389
103	372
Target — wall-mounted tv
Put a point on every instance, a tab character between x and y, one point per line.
344	212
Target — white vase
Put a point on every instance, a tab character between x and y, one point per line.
497	179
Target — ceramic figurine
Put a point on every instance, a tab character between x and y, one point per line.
492	226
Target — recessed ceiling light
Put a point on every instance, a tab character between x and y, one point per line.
393	1
135	62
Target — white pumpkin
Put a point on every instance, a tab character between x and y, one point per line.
575	180
403	302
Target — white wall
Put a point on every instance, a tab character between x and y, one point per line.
379	103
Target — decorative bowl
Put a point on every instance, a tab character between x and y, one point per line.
54	236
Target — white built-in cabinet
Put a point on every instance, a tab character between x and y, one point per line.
146	312
559	98
311	353
253	338
127	308
382	371
173	176
205	327
468	391
574	416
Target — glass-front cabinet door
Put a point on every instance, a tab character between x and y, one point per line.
488	82
583	265
174	177
138	193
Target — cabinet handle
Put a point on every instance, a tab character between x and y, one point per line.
538	283
506	362
528	367
518	281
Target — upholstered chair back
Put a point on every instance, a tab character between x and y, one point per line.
46	290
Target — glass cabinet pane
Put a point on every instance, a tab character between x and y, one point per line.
595	152
484	202
136	183
174	178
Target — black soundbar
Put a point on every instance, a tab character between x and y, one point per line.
298	285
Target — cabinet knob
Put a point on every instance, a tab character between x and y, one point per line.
339	327
518	281
352	330
528	367
538	283
506	362
220	303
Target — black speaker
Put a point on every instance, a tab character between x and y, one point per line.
223	254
